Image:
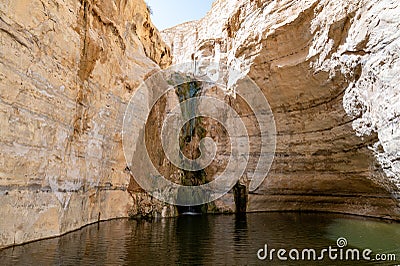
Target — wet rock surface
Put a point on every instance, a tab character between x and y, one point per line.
68	69
328	72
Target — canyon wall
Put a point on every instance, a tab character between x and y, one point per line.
329	70
68	70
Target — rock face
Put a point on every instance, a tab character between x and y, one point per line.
68	70
329	71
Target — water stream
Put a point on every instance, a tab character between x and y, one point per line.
191	133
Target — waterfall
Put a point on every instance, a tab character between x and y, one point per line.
191	134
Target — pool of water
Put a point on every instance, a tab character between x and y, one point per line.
217	240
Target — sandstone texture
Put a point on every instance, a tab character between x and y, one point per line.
68	69
329	70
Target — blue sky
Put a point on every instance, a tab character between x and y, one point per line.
168	13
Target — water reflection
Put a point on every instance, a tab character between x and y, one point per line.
240	235
207	239
193	235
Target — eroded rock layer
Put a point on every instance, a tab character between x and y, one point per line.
328	70
68	69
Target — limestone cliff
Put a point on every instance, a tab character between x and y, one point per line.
330	72
68	69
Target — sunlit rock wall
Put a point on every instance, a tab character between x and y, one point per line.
330	72
68	69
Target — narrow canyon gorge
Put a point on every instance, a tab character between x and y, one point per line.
329	70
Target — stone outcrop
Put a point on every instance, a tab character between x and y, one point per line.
68	69
328	70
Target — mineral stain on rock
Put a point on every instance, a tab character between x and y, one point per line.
309	60
65	70
329	70
189	139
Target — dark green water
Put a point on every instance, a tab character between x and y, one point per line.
210	240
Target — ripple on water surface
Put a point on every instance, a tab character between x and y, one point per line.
210	239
